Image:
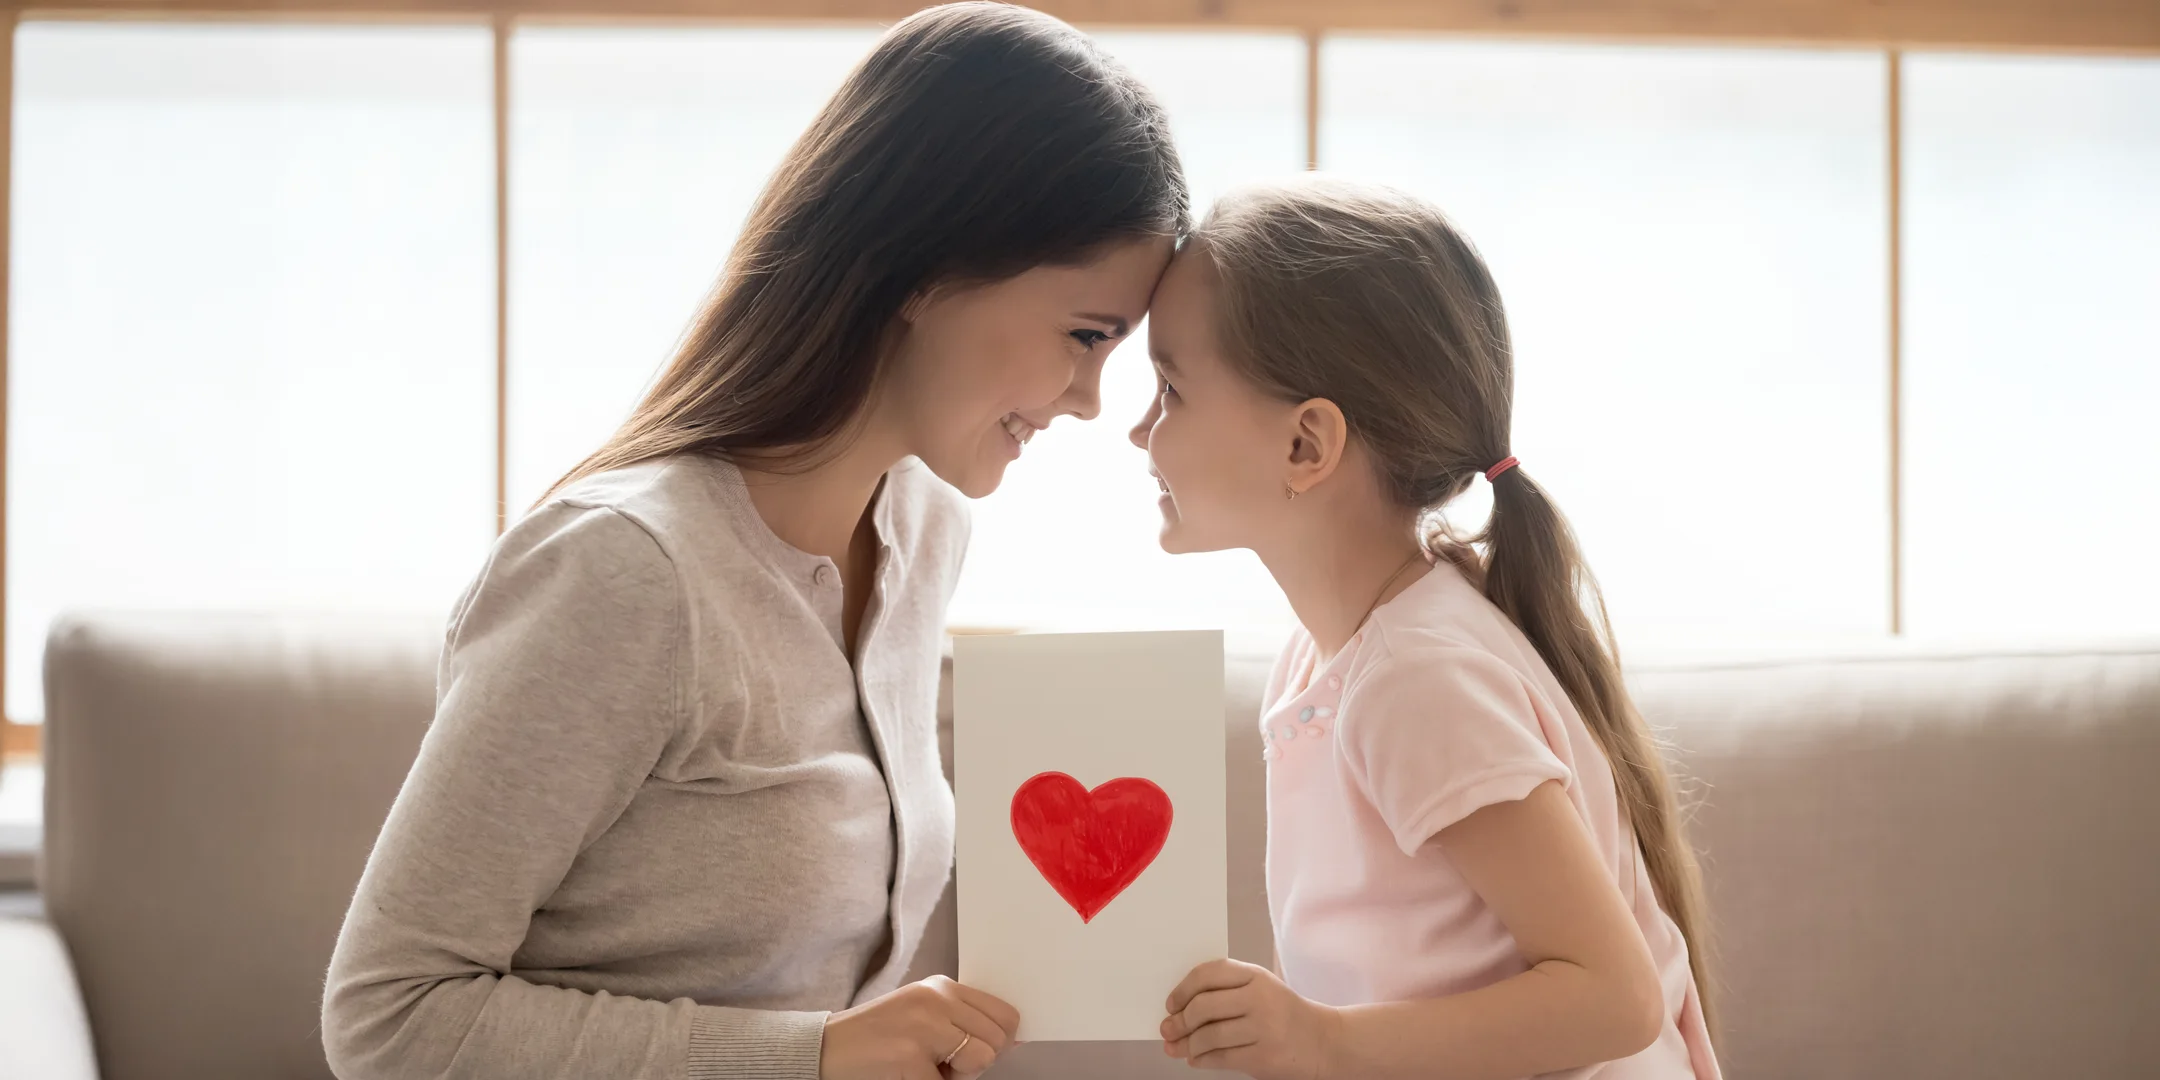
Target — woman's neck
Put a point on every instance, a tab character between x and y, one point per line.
1340	567
820	509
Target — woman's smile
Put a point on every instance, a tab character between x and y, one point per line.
1018	430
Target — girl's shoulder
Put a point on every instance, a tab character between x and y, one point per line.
1440	610
1442	631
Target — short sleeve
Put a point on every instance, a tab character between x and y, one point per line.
1436	734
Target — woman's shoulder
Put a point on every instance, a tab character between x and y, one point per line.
695	509
577	558
662	495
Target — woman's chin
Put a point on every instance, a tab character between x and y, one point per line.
981	483
974	479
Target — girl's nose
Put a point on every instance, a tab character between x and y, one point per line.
1139	432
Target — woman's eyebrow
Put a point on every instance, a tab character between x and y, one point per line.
1118	324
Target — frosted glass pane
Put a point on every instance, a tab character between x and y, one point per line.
635	155
2032	349
1236	102
253	321
1691	243
1069	540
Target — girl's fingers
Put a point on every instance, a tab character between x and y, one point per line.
1205	1009
1237	1059
1213	975
1224	1035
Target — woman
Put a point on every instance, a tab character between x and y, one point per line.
680	813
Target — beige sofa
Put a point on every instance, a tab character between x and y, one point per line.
1920	865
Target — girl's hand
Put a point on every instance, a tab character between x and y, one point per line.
908	1034
1232	1015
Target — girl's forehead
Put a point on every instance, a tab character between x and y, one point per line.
1187	280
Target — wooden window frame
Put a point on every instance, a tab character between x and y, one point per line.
2106	27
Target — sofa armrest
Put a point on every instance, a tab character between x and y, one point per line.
43	1030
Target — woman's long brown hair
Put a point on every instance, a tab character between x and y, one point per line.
1369	298
975	141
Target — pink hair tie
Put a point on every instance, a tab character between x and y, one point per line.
1501	466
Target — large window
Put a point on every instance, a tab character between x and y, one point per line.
252	347
2033	345
635	154
252	325
1691	246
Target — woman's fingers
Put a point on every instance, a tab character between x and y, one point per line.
974	1058
965	1008
1000	1013
981	1032
1213	975
969	1033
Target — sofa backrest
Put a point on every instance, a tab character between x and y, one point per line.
1918	864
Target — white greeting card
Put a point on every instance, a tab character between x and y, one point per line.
1091	855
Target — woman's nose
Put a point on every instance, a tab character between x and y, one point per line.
1084	397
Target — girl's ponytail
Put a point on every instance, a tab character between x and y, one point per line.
1371	299
1535	574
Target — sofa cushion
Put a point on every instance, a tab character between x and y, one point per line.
213	786
1928	863
43	1032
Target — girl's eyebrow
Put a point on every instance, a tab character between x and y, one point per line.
1119	325
1161	358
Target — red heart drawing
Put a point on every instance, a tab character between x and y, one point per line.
1090	845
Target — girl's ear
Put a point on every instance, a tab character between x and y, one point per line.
1318	435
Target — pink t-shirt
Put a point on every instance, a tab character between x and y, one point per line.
1437	707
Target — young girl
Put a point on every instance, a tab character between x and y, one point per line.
1475	868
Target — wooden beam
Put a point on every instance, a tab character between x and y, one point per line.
1312	98
2131	26
1894	105
502	28
8	23
19	742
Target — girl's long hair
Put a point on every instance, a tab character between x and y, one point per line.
1369	298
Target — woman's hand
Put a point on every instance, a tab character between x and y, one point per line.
910	1033
1232	1015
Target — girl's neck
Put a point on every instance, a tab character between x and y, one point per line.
1341	567
820	509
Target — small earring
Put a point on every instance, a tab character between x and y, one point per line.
1288	490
